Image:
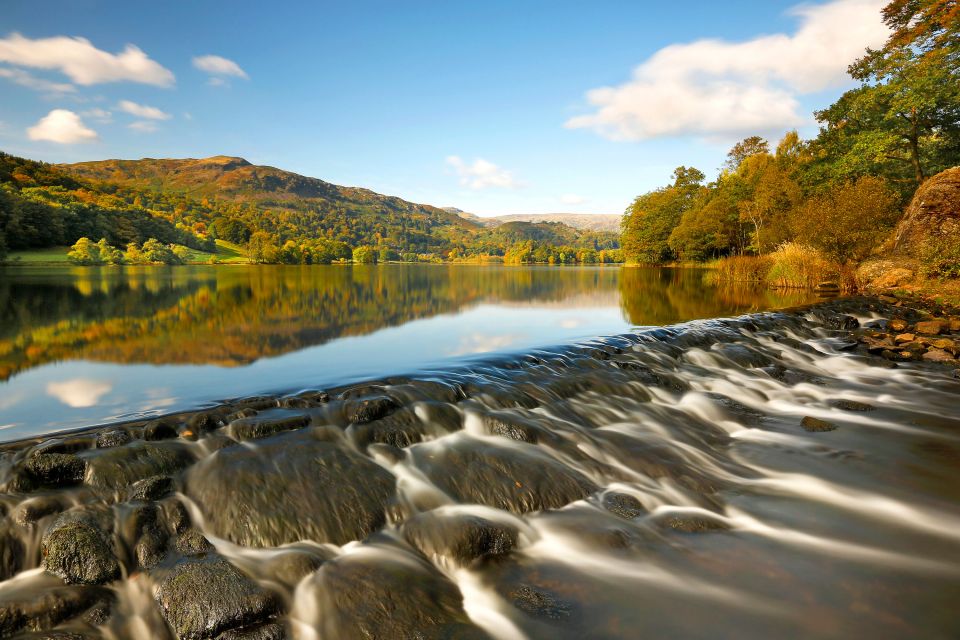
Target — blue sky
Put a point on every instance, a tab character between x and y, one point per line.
493	107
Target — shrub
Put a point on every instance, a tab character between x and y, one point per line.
742	268
940	258
800	266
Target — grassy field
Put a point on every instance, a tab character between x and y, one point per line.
227	253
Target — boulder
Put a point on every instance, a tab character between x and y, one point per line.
159	430
933	214
290	487
816	424
77	549
931	327
203	598
39	611
121	467
56	469
113	437
462	537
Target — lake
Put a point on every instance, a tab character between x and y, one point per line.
88	345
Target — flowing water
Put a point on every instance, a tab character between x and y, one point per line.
658	483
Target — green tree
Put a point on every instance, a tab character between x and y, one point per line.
365	254
651	218
754	145
108	254
85	252
262	248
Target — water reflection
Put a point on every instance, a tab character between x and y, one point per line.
94	338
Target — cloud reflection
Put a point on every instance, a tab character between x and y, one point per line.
79	392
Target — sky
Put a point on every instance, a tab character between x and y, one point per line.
494	107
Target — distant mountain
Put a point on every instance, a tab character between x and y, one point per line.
579	221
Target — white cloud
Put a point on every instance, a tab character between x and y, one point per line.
219	66
719	88
572	198
82	62
63	126
482	174
79	392
25	79
143	126
484	343
100	115
142	111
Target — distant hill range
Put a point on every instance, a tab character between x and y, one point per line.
579	221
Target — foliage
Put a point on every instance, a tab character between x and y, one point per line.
849	221
742	268
365	255
798	266
940	258
262	248
651	218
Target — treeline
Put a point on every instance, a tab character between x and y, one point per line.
839	194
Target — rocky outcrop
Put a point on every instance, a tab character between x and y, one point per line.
934	214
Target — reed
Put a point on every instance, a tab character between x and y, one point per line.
799	266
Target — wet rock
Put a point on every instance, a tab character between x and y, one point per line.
272	631
816	424
115	437
203	422
11	553
176	515
400	429
56	469
150	538
742	355
931	327
203	598
150	488
516	479
42	610
538	602
462	537
833	320
261	427
369	409
123	466
515	428
30	511
938	355
375	595
851	405
291	487
623	505
292	564
898	324
192	543
690	522
78	550
904	337
159	430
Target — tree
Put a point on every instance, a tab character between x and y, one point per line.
850	220
84	252
744	149
262	248
650	219
108	254
903	121
365	254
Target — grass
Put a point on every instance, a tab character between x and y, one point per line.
791	266
227	253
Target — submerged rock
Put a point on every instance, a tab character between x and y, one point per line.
56	469
462	537
291	487
816	424
379	595
518	479
41	611
203	598
123	466
159	430
114	437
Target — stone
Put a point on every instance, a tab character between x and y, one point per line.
938	355
123	466
905	337
289	487
462	537
375	594
370	409
851	405
816	424
253	428
203	422
11	553
518	478
150	488
623	505
43	611
78	550
192	543
271	631
930	327
203	598
159	430
933	214
690	522
114	437
56	469
539	603
898	324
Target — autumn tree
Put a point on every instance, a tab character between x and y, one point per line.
651	218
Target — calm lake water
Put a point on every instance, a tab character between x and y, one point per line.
87	345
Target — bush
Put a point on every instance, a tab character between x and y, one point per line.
742	268
365	255
800	266
940	258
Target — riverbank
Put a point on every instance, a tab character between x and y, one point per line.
610	489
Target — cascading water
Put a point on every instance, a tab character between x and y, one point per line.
754	477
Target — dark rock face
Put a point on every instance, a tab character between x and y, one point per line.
291	487
123	466
378	596
515	479
202	598
462	537
77	549
43	611
934	213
